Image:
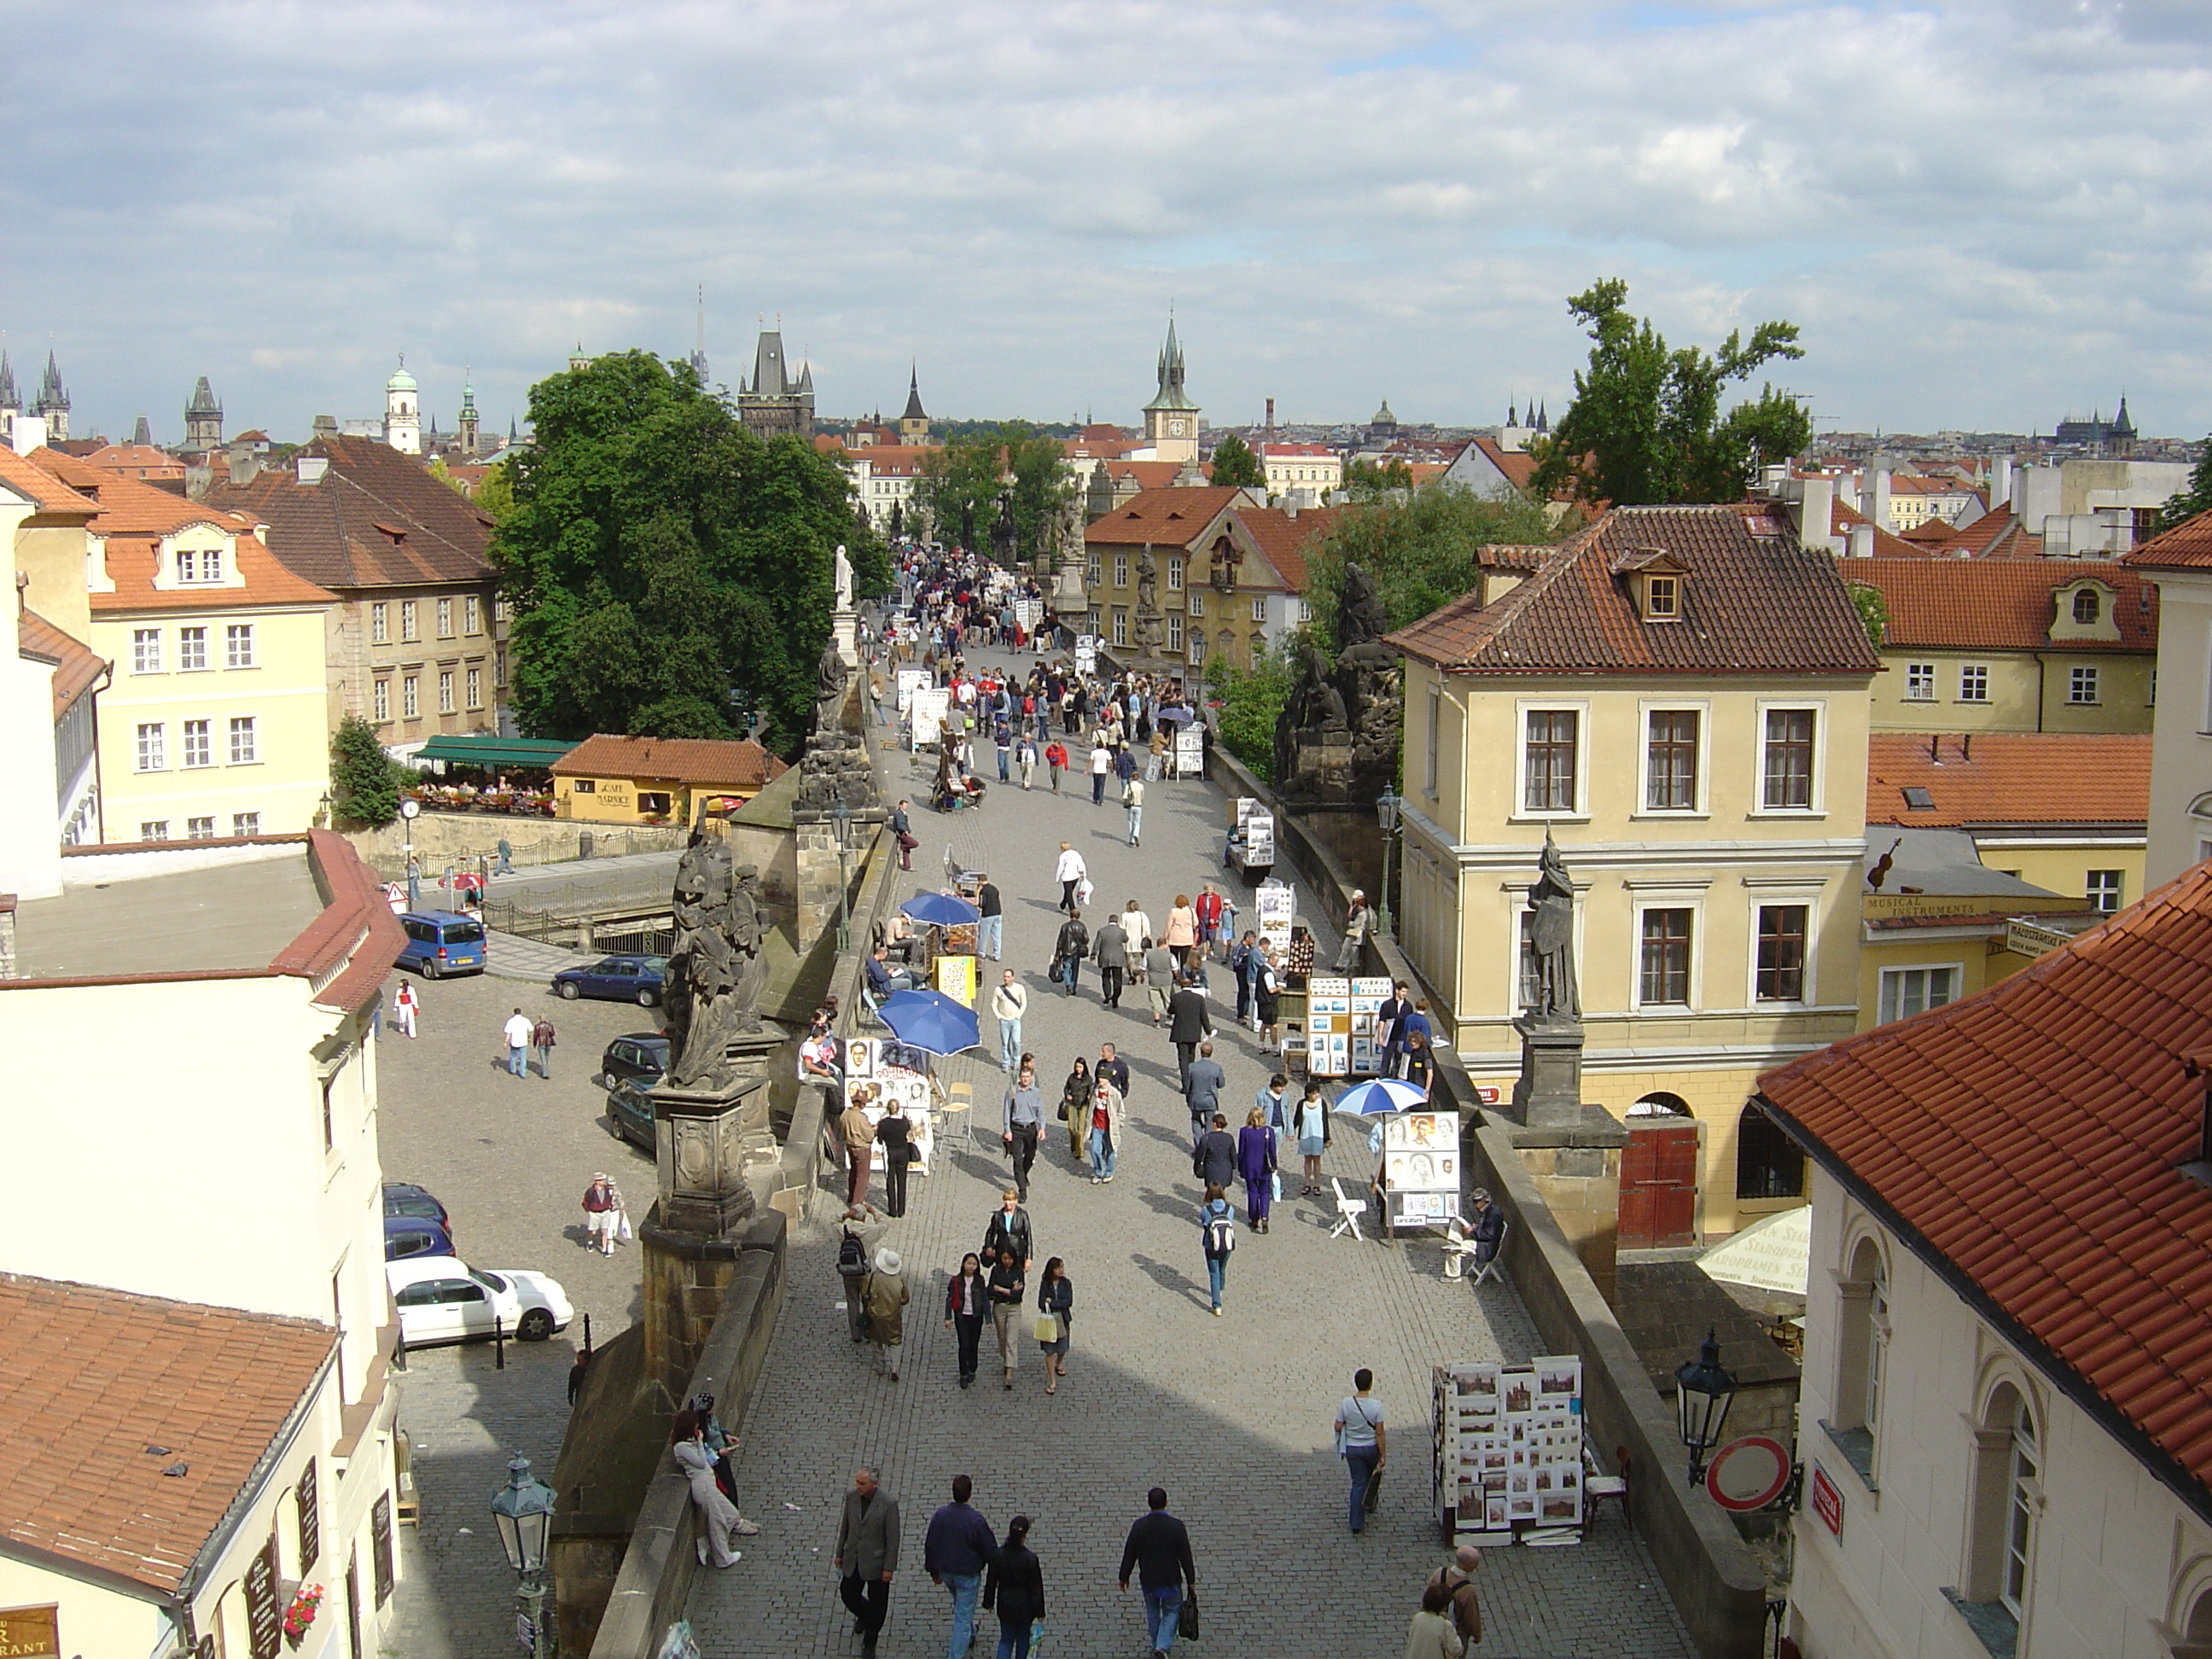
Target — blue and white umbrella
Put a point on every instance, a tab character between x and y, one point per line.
940	910
1381	1097
930	1020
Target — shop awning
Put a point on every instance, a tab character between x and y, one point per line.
535	752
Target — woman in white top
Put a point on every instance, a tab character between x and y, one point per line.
1362	1442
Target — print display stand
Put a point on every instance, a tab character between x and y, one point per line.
1508	1450
1420	1171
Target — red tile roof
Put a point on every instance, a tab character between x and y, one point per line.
1287	540
1992	778
2000	605
1149	475
1997	534
77	667
2187	546
1842	519
97	1379
1163	517
135	461
1753	602
36	484
742	765
2025	1144
128	508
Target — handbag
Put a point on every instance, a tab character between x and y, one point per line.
1047	1328
622	1230
1187	1618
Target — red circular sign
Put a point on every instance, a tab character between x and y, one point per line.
1748	1474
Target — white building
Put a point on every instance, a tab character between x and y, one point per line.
2180	827
2008	1335
403	411
1302	474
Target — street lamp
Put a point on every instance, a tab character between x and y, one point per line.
1387	806
524	1510
1703	1393
842	815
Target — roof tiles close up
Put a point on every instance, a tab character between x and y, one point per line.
1989	778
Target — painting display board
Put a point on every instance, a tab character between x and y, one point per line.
911	680
1189	750
1086	654
1328	1026
1368	996
879	1070
1276	909
955	978
1509	1446
1028	613
926	713
1420	1167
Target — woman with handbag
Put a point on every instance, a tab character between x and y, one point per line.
895	1135
1255	1163
967	1303
1055	1304
1013	1588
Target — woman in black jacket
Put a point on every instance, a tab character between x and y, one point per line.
967	1305
1056	1297
1014	1587
896	1134
1075	1108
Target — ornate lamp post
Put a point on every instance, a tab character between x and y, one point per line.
1703	1393
1387	806
842	815
524	1510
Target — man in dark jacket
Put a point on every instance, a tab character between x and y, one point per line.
1069	950
1201	1089
1111	951
1159	1548
1189	1025
959	1546
1113	1068
1214	1162
868	1555
990	927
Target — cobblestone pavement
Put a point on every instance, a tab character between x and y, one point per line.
510	956
1232	1415
510	1160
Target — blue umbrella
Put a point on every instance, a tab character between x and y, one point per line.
1381	1097
931	1020
940	910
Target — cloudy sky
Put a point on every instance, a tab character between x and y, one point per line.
1983	215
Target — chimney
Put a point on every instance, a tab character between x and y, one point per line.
1271	415
1999	482
1862	541
29	433
310	468
1879	511
1816	514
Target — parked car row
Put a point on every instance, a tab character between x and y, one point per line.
440	1297
618	978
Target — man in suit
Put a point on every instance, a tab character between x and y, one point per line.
868	1556
1201	1090
1189	1026
1110	949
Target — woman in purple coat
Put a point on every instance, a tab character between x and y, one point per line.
1255	1162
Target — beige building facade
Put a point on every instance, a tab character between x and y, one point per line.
2180	562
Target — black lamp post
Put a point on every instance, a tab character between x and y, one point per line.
842	815
1387	806
524	1510
1703	1393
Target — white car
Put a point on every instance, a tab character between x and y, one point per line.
442	1299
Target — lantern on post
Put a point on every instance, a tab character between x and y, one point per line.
524	1511
1703	1393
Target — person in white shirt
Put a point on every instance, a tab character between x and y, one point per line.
1102	762
1068	871
1009	1002
517	1031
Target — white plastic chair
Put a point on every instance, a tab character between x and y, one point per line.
1348	1212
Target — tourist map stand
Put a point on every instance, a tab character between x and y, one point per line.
1508	1449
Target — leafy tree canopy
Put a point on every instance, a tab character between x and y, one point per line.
1367	480
1646	424
671	574
1419	551
969	473
1251	698
364	788
2197	499
1234	463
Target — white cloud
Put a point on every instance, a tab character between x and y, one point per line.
1982	215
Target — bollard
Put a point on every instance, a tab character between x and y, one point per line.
498	1343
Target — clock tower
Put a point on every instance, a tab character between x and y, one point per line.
1171	419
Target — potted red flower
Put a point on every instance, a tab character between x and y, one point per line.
301	1614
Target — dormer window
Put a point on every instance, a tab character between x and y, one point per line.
2088	606
199	565
1662	598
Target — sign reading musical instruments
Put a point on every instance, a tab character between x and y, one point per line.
31	1632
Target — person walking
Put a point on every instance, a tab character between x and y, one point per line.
506	865
541	1043
1418	1066
1138	927
1111	950
886	1296
902	832
1359	920
1158	1547
859	1232
1009	1226
990	919
1456	1579
1243	954
1008	1288
719	1520
1209	907
1214	1159
1105	1128
1182	934
868	1556
1310	1122
1133	797
1102	762
1002	737
1431	1635
895	1135
1255	1163
1025	757
1024	1121
1014	1589
1273	1107
1055	1301
1075	1107
1069	950
1264	988
1189	1025
1364	1444
967	1305
1201	1090
602	1211
954	1553
1009	1002
1217	1234
1159	978
1069	871
517	1032
1414	1025
1055	762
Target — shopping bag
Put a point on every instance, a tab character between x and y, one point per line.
1277	1177
623	1228
1048	1328
1037	1639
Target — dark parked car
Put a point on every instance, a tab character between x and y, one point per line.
406	1236
641	1057
404	1198
630	1113
620	979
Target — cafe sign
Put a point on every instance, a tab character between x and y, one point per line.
31	1632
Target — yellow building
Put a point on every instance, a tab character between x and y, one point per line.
215	723
2012	645
1678	696
615	779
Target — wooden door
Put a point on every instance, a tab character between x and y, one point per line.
1659	1185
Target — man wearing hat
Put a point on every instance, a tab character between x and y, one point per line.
886	1300
1489	1230
602	1209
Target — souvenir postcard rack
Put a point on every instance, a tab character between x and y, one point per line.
1508	1449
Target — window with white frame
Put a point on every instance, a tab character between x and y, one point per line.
2004	1500
2082	684
411	697
1091	564
1305	610
1551	751
1974	682
211	565
1120	626
238	644
2022	1499
1196	605
1670	761
476	688
154	830
1175	575
145	650
380	700
1788	770
188	565
1175	630
1663	960
2104	888
152	750
200	828
191	648
1120	570
199	743
406	619
245	741
380	623
1920	682
444	619
1909	991
245	824
445	691
471	615
1259	608
1780	974
1861	1357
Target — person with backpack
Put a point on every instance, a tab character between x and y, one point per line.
1069	950
1217	1233
863	1229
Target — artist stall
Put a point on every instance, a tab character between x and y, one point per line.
1508	1464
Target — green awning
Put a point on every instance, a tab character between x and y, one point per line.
537	752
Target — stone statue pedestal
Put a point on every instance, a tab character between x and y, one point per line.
1324	764
1548	1093
845	634
1569	1148
1071	600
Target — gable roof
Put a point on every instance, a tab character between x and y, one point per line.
77	667
36	485
2025	1143
2000	605
102	1374
1753	602
1993	778
340	530
742	764
1170	517
2187	546
1844	518
128	508
1285	539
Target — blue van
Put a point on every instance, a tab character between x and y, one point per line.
441	942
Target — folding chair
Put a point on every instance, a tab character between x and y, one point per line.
1348	1212
1489	1268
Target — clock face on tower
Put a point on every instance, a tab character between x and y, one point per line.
1175	427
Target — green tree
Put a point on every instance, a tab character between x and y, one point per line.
1419	549
1874	612
1251	698
1367	480
671	574
1646	424
364	788
1234	463
495	495
2197	499
969	473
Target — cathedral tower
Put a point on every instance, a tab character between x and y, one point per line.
1171	419
403	411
